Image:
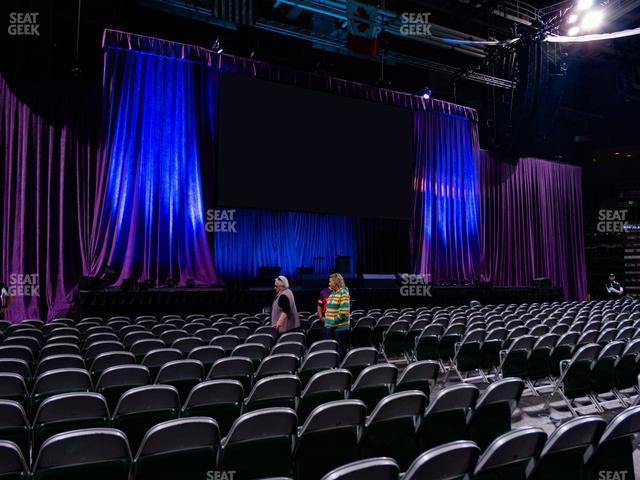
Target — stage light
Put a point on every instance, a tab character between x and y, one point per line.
584	4
425	93
592	20
216	47
573	18
573	31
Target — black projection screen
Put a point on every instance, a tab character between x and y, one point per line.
289	148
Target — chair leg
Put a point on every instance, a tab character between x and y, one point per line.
623	401
547	402
594	400
573	411
531	387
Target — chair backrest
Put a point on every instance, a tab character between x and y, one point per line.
180	434
292	337
547	341
322	345
180	370
61	379
451	460
336	414
612	349
518	444
328	380
379	468
360	356
581	431
12	414
454	397
276	386
474	336
292	348
56	362
506	390
231	366
526	342
124	375
156	358
71	406
382	373
82	447
422	370
624	424
266	422
215	391
402	404
321	359
147	398
12	461
586	352
207	353
282	362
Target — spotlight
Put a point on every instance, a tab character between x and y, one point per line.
216	47
584	4
425	93
573	31
573	18
592	20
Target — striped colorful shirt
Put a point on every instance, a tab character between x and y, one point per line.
338	310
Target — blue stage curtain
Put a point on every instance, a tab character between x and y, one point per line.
445	236
287	239
156	117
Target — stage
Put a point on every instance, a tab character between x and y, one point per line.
158	301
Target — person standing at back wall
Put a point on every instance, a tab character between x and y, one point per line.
338	313
284	313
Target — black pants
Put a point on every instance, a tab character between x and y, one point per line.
340	336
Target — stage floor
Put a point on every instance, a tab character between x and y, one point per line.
219	300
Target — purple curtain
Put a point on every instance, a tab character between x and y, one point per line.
48	183
532	223
445	233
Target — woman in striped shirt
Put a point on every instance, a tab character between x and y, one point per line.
336	318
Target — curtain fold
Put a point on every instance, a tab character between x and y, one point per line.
532	223
286	239
445	234
153	221
49	184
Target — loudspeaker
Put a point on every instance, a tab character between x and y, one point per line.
343	264
302	272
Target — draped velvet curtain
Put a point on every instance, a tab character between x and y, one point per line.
159	116
287	239
445	234
48	189
532	223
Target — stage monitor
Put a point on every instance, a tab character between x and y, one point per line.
282	147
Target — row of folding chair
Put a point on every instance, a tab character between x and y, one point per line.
401	425
594	370
582	448
267	443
